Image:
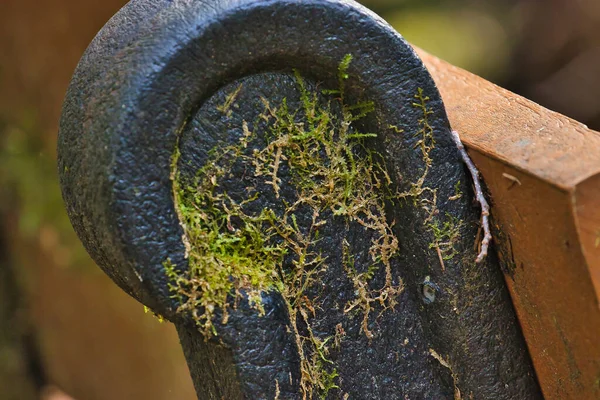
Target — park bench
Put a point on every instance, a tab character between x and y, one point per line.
279	179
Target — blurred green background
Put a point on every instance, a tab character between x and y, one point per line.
62	323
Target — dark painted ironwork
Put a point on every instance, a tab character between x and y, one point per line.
150	84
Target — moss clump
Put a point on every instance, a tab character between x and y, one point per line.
457	192
223	258
158	317
423	196
225	108
445	235
234	249
426	140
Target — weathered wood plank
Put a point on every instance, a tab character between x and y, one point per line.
542	172
514	130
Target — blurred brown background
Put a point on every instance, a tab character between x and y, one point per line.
63	324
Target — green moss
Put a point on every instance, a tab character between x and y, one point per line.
446	235
423	196
366	298
225	108
396	129
457	192
327	381
426	140
158	317
232	251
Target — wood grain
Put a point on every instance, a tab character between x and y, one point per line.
514	130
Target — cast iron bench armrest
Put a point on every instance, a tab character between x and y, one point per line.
278	179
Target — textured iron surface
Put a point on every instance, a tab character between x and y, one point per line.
156	72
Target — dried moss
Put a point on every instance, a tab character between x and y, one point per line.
236	247
233	251
422	195
446	234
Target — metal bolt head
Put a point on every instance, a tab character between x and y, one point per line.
428	290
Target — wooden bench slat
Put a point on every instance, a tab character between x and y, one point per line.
542	172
